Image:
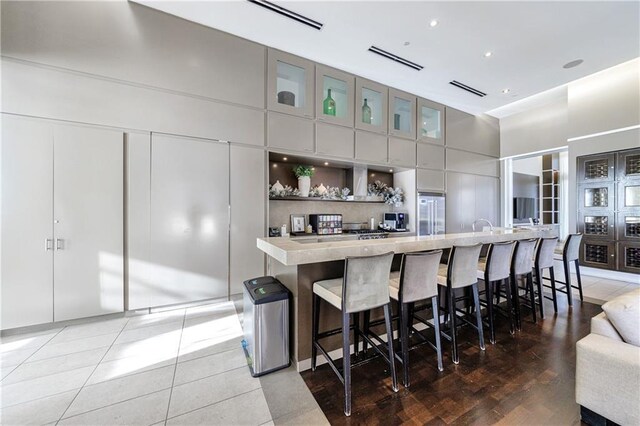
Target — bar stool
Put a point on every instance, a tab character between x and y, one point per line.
461	272
364	286
418	281
495	271
521	267
544	260
570	253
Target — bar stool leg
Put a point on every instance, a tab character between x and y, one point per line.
567	280
532	295
553	290
452	326
476	301
346	364
435	306
365	330
392	359
507	290
314	330
515	295
489	289
356	333
403	335
540	294
579	279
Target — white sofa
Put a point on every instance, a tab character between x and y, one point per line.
608	364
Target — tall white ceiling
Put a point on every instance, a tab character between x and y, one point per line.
530	41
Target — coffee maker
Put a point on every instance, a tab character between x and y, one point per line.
396	221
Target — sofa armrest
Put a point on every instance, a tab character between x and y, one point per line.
608	378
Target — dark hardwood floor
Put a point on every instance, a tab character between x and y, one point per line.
527	379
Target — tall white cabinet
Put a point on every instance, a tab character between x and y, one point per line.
62	222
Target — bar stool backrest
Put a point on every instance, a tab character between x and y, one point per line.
571	249
419	275
523	253
544	253
366	282
498	264
463	265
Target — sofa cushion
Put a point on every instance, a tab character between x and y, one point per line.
624	314
601	325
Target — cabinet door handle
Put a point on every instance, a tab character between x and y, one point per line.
48	244
59	244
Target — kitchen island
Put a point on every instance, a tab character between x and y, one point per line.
299	262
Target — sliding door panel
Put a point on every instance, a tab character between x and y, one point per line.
88	222
189	219
27	228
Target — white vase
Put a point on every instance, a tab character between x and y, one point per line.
304	184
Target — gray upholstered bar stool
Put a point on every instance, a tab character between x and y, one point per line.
364	286
418	281
544	260
521	268
495	271
570	252
461	272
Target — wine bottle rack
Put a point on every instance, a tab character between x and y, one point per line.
596	225
596	197
632	166
632	257
632	227
596	169
596	253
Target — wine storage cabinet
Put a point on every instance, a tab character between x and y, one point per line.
609	210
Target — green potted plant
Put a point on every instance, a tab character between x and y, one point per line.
304	173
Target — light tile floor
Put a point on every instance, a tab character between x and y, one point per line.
184	366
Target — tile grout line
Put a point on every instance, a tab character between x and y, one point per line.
175	367
215	403
36	351
89	376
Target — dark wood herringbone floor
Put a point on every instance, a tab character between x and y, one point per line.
524	379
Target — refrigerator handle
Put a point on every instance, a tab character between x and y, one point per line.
435	217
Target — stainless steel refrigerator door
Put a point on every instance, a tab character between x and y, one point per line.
431	214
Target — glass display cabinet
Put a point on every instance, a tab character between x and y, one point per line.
629	164
402	114
290	84
334	96
629	260
628	227
600	225
599	254
371	106
596	196
430	122
596	168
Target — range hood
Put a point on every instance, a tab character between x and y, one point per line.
357	177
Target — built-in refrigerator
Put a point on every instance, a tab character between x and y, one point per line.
431	213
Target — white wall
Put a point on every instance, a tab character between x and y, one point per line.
528	166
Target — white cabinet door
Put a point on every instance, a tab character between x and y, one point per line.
27	197
189	219
88	222
247	215
402	152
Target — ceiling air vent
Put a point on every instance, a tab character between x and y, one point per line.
287	13
395	58
468	88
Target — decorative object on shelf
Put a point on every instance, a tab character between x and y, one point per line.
287	191
366	112
394	196
277	187
287	98
297	223
303	173
308	229
396	121
322	189
329	105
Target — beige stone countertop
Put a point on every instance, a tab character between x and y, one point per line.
304	250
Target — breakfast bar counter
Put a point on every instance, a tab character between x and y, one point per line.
299	262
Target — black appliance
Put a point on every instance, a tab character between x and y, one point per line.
396	221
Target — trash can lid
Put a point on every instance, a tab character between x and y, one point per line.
263	290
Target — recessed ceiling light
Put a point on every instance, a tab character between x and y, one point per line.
326	163
433	23
488	54
390	170
406	43
572	64
284	158
505	91
275	165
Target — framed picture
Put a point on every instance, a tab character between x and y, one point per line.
297	223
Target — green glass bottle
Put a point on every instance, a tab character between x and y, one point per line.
329	105
366	112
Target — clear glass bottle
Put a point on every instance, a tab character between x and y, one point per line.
366	112
329	105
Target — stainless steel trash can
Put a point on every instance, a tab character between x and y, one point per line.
266	325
